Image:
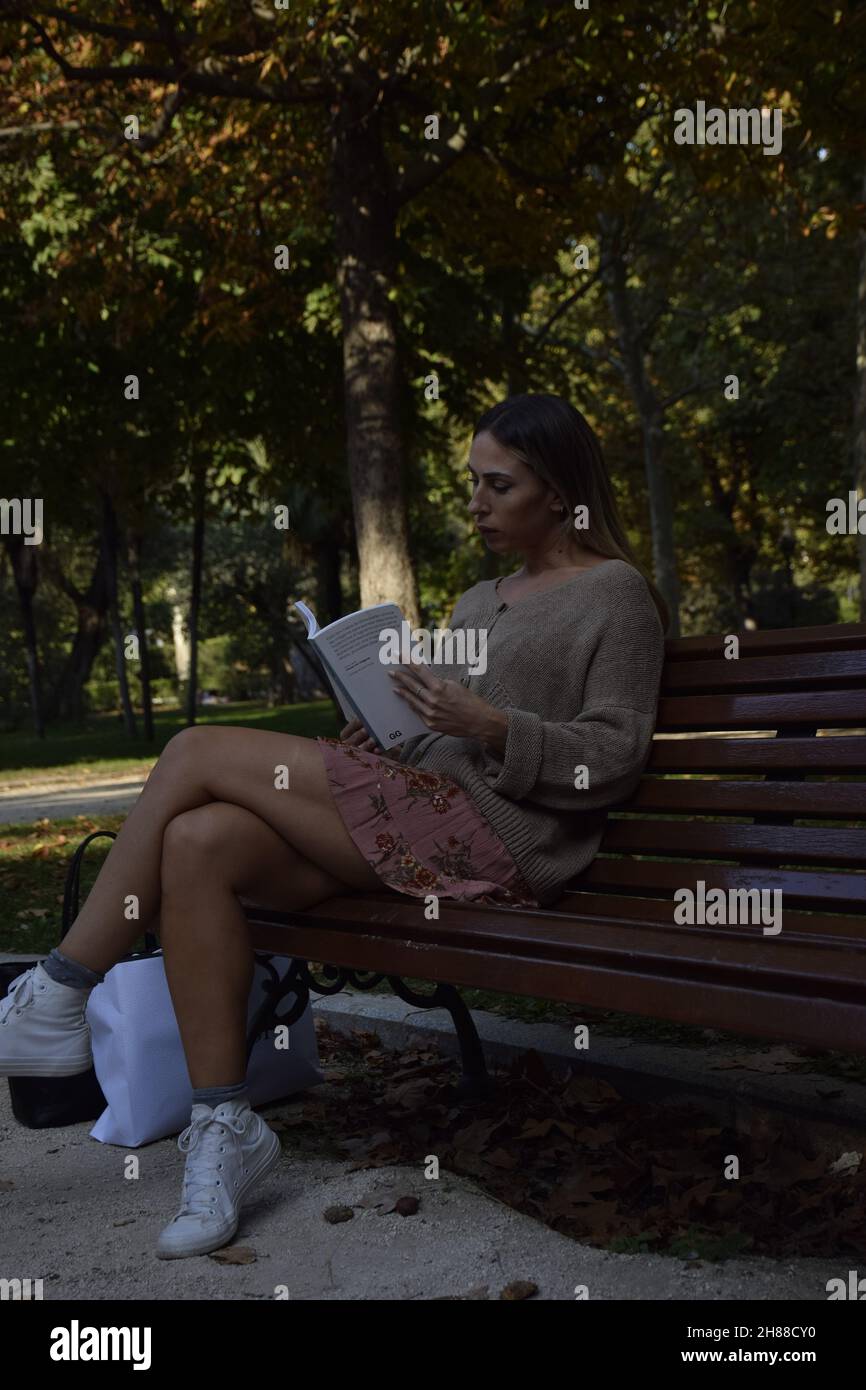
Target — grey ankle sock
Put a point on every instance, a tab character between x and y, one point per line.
215	1095
69	972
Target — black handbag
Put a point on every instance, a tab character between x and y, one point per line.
45	1102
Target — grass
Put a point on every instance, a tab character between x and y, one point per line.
100	746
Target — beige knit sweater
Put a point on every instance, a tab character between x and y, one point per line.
577	670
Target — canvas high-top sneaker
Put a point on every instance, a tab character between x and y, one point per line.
43	1028
229	1149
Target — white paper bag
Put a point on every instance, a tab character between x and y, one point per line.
140	1063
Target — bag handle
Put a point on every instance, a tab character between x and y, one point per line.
72	889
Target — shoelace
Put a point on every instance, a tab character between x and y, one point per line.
199	1185
18	995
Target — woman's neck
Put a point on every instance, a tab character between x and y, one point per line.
559	559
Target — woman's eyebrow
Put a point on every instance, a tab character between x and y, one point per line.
490	473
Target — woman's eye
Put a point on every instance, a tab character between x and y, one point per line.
506	488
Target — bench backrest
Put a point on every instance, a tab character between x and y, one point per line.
779	767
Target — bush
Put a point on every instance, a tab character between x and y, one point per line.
164	691
102	695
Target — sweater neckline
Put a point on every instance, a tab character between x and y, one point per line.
554	588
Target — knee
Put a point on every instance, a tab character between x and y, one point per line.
195	841
189	747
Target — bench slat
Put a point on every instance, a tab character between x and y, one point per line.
801	800
829	709
801	671
844	892
779	844
638	911
634	912
842	753
829	637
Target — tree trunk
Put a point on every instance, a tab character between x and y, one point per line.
327	560
133	550
199	483
859	440
67	698
365	235
109	542
651	418
307	682
514	298
25	570
741	550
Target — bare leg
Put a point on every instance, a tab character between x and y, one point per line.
210	856
200	766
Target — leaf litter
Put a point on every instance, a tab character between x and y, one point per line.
571	1151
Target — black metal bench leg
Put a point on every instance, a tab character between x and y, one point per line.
475	1083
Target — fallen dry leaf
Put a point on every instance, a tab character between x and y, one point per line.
334	1215
775	1060
848	1163
406	1206
519	1289
234	1255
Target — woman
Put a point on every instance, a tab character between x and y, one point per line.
504	801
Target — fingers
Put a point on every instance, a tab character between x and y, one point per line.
355	734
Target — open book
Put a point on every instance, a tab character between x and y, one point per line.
349	651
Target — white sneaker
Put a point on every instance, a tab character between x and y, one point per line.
228	1149
43	1028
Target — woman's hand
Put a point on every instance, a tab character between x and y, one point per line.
357	735
447	707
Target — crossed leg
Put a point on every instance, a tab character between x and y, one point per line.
212	825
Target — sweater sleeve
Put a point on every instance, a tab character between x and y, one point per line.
611	736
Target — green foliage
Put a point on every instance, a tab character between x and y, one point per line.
159	262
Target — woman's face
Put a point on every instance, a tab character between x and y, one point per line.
512	508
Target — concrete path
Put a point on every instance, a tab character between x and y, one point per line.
56	800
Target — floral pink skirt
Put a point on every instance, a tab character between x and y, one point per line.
420	831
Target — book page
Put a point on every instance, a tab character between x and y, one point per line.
351	647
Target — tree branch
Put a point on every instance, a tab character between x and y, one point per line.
593	354
54	571
8	132
232	48
571	299
161	127
93	26
688	391
193	79
430	165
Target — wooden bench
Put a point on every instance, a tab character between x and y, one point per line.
765	762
